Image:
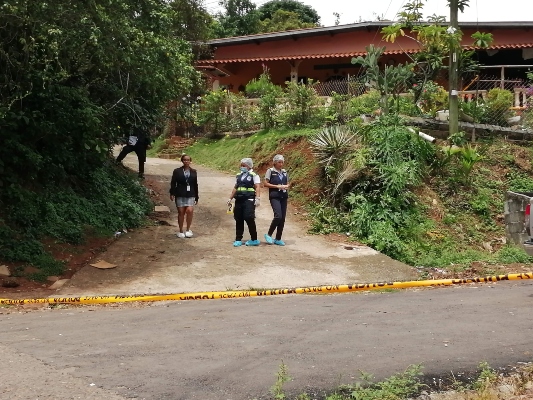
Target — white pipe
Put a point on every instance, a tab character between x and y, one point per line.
423	135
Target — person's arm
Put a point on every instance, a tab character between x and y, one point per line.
172	185
257	187
148	140
232	195
267	184
196	186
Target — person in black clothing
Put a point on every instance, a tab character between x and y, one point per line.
184	191
277	182
138	141
247	194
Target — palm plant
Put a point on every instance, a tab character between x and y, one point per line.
335	147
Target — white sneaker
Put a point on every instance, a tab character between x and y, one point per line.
180	235
188	234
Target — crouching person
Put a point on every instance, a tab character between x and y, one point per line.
246	193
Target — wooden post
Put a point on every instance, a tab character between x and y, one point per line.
453	72
294	70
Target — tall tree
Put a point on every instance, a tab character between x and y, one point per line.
191	21
306	13
435	38
75	76
283	21
239	18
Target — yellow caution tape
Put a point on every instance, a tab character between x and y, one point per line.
270	292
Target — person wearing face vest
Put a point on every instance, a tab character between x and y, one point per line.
277	182
247	193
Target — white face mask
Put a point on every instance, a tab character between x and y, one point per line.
244	169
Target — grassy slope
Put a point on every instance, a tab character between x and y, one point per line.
466	223
225	155
464	230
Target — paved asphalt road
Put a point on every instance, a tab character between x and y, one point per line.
231	349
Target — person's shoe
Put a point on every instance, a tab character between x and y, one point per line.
188	234
269	239
180	235
252	243
279	242
237	243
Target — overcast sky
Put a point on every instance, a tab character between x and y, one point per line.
351	10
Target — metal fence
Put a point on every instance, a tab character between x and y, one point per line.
495	100
349	85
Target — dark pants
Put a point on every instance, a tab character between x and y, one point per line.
244	211
279	206
141	155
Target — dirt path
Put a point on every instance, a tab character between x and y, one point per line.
154	260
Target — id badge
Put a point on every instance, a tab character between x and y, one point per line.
188	188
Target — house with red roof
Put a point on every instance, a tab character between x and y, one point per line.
324	54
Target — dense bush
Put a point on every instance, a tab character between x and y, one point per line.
379	208
105	201
74	80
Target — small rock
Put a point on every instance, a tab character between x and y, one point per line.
59	283
487	246
52	278
506	389
4	270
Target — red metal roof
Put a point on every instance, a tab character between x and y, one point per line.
335	55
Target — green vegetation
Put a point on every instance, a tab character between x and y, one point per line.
243	17
484	385
427	205
397	387
225	154
73	82
108	200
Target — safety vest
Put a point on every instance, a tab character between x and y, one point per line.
245	185
277	178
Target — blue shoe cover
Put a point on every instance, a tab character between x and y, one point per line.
237	243
269	239
279	242
252	243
